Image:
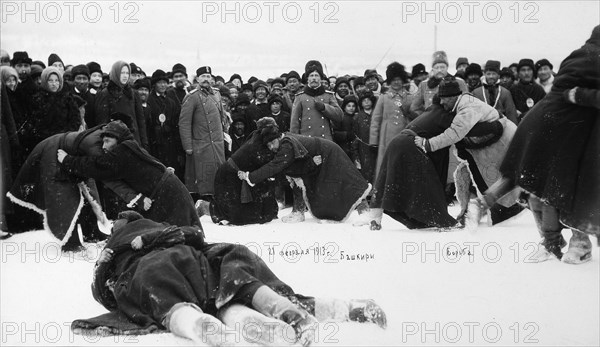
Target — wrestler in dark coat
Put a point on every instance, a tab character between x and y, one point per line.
234	200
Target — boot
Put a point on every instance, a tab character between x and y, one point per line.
367	311
271	304
297	214
550	247
257	327
580	249
363	206
371	218
462	182
355	310
202	208
188	320
294	217
475	211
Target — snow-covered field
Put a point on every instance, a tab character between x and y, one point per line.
455	288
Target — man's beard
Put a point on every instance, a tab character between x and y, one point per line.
179	84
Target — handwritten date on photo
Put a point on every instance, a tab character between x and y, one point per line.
330	252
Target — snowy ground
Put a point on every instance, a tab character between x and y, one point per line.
487	293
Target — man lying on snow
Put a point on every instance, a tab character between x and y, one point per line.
166	198
154	276
332	187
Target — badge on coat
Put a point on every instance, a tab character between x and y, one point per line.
162	118
530	102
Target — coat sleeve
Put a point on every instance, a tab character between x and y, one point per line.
101	107
185	121
122	189
141	121
333	110
466	117
376	120
585	97
295	117
509	108
283	159
418	104
104	167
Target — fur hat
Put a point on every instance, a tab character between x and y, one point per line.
370	73
348	99
449	88
123	117
80	70
159	75
525	62
506	72
179	68
460	61
117	130
293	74
492	65
242	99
252	79
278	80
273	98
268	129
39	63
359	81
543	62
46	73
20	58
260	83
473	68
417	70
135	69
236	76
394	70
224	91
367	95
314	65
204	70
247	86
53	58
339	81
440	57
35	71
94	67
142	83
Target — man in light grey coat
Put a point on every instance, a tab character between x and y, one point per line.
201	131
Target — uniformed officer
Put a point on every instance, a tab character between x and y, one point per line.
201	130
314	107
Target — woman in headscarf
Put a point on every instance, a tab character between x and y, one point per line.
118	96
332	186
165	198
54	111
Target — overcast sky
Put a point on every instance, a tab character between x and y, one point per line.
267	38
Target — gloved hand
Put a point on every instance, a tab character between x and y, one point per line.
319	106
